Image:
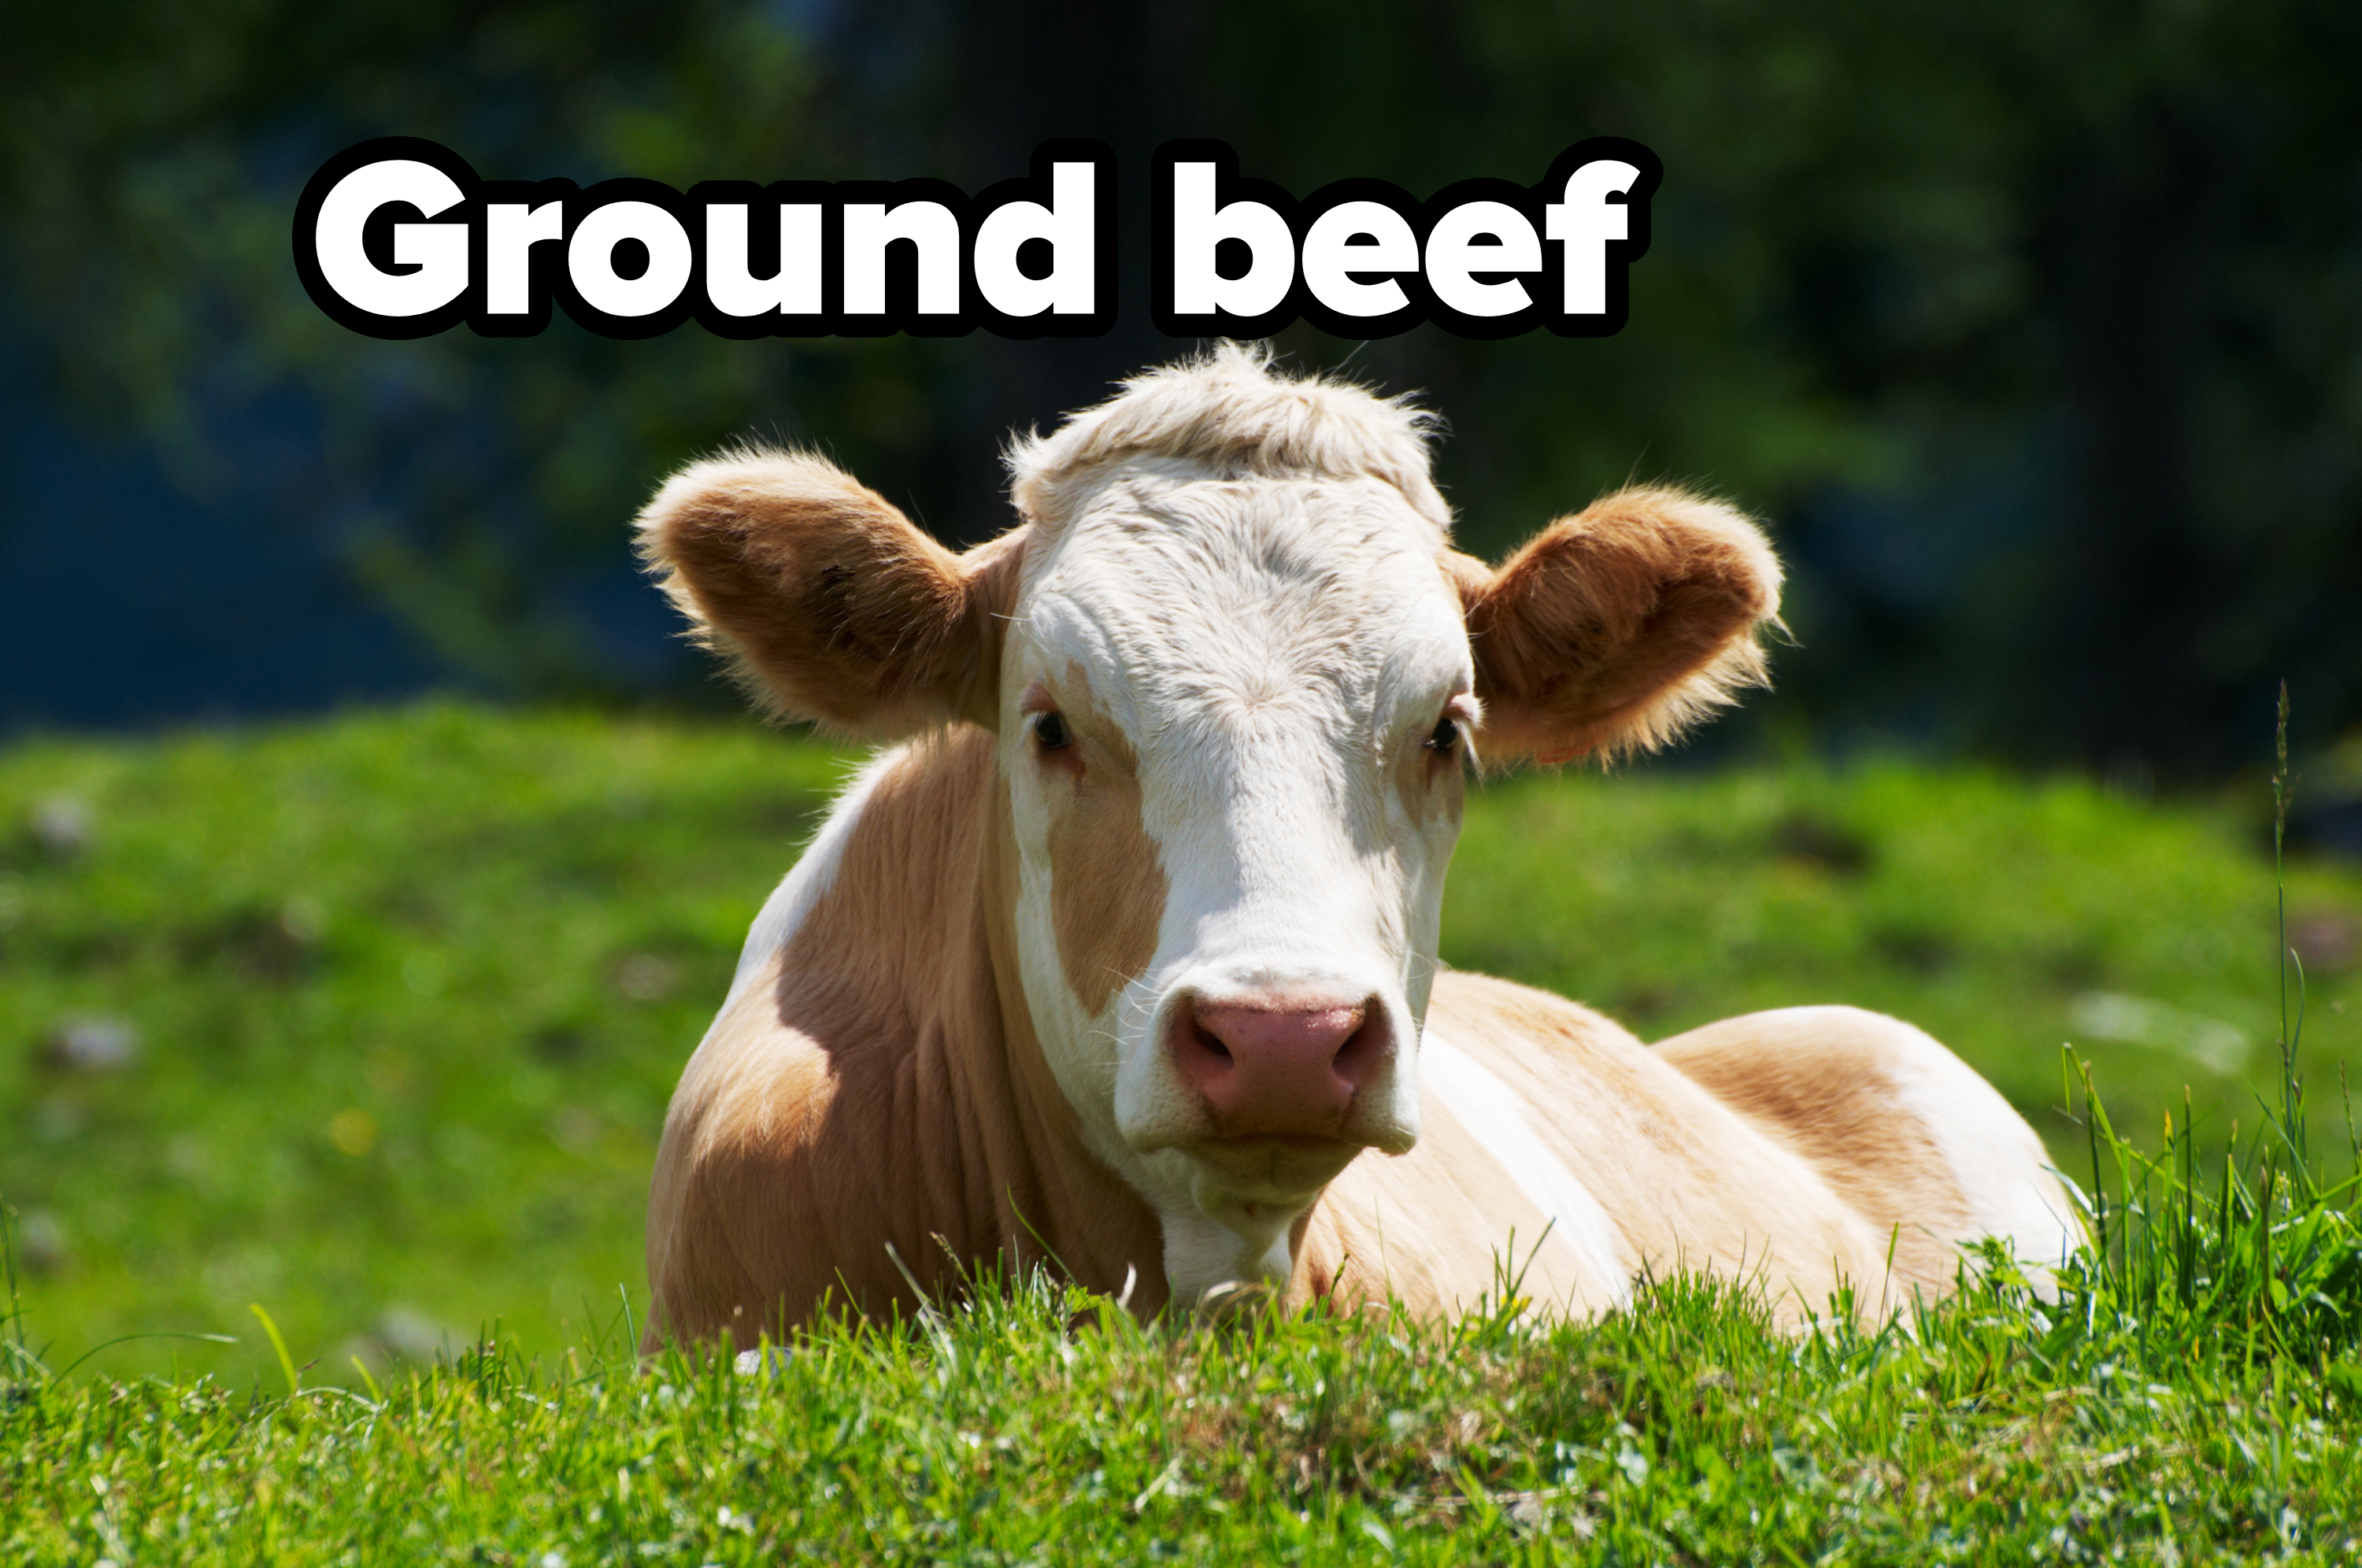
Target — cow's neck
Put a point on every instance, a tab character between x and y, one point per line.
916	933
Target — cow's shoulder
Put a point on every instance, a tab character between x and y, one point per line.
758	1086
752	1177
818	1121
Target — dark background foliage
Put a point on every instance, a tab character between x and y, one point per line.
2034	330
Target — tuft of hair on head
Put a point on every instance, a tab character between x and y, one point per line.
1228	409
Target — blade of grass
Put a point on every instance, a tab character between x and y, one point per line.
156	1334
286	1362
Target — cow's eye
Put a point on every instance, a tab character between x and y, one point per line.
1050	733
1446	736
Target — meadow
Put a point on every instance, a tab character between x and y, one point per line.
370	1023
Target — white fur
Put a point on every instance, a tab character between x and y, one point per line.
1270	649
1244	572
1489	1109
1202	1253
2001	1166
814	873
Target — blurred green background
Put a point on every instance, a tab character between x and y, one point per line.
2034	332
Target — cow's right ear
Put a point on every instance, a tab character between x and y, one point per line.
1616	628
830	604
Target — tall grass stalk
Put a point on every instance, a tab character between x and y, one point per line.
2291	1118
14	1349
2267	1265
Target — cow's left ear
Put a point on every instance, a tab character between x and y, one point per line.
830	603
1615	629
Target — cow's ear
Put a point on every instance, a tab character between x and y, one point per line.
1614	629
830	604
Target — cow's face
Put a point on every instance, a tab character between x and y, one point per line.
1235	713
1237	675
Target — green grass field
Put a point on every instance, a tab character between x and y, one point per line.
374	1021
1049	1430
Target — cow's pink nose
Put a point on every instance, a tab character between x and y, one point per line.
1286	1069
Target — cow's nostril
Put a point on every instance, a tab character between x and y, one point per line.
1358	1058
1197	1051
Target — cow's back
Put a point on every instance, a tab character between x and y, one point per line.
1606	1162
1906	1133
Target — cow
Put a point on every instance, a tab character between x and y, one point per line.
1122	961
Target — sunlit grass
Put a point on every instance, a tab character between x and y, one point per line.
1041	1425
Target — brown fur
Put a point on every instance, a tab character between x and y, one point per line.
1615	629
1107	889
1427	783
830	603
1609	631
1815	1079
882	1083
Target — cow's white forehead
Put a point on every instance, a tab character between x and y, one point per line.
1181	593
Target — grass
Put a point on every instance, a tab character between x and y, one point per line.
1040	1425
406	992
409	993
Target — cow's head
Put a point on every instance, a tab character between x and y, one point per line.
1238	676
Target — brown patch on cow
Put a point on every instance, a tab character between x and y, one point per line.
1616	628
881	1084
1816	1079
1106	887
830	604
